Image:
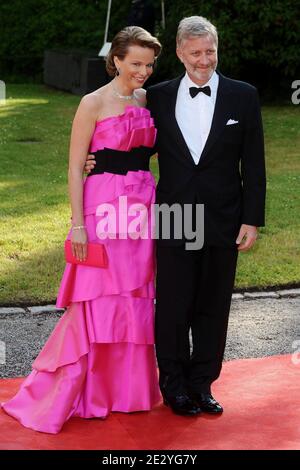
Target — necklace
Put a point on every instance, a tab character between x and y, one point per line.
122	97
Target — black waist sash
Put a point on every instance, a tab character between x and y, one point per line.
120	162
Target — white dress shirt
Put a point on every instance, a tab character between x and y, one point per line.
194	115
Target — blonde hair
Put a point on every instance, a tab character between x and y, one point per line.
130	36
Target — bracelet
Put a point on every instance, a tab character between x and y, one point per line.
78	227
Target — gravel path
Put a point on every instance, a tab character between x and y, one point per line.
257	327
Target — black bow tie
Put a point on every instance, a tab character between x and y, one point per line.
195	90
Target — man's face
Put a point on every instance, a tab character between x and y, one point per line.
200	57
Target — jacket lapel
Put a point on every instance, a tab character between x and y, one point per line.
171	90
221	115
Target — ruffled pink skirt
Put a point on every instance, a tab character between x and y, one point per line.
100	356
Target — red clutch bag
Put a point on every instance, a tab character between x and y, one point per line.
96	255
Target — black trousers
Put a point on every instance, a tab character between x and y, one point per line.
193	293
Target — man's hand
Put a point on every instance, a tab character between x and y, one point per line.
89	163
247	237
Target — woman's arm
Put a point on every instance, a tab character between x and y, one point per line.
82	130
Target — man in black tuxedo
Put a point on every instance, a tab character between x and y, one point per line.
210	151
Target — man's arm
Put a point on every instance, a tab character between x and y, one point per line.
253	175
253	166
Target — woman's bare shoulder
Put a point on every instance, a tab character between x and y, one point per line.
92	102
94	99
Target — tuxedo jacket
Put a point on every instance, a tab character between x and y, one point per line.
230	176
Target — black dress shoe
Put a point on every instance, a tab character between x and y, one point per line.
207	403
182	405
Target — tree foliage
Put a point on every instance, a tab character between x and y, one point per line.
258	41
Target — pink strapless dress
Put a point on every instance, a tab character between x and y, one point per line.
100	356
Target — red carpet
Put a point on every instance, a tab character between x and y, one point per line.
261	398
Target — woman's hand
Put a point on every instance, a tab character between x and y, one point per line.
79	242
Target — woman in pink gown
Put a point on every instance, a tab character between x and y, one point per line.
100	356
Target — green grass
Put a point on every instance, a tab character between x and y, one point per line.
275	259
35	126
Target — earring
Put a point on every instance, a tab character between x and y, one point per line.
117	72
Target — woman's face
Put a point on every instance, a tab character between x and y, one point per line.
136	67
